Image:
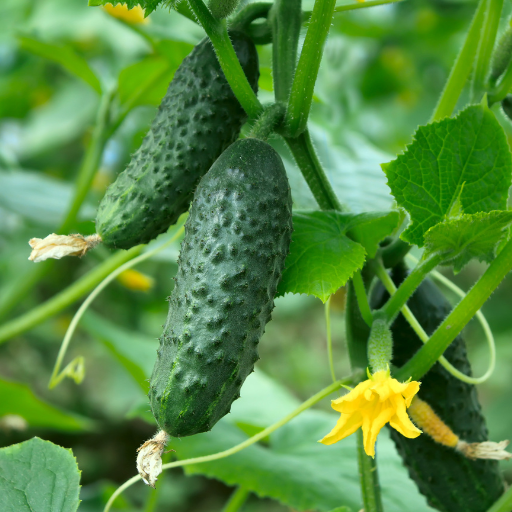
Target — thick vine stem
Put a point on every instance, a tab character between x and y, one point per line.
260	33
485	49
502	88
407	288
301	94
427	356
461	68
272	116
307	161
285	19
369	478
217	32
237	499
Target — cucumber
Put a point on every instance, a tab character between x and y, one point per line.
237	237
199	117
450	481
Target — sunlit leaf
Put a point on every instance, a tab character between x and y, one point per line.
65	56
38	476
469	152
469	236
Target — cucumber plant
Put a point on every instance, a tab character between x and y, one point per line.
243	246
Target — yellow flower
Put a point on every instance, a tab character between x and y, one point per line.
135	280
121	12
372	404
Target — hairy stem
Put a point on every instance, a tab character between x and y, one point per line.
407	288
461	68
369	478
327	311
307	161
217	32
362	299
485	49
303	85
286	20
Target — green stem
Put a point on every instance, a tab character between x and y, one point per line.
303	85
504	503
260	33
217	32
362	299
502	88
461	68
90	163
237	500
268	121
369	478
394	253
426	357
245	444
485	49
307	161
327	310
407	288
306	15
423	336
66	297
286	20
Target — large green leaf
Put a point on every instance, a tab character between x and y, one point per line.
466	237
136	352
466	157
293	468
146	82
38	476
65	56
323	254
18	399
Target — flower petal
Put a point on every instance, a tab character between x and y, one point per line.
401	421
345	426
384	413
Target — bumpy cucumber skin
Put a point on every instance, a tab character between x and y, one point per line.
236	241
197	120
450	481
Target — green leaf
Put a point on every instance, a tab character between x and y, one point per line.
38	476
470	149
19	400
370	228
293	468
467	237
146	82
134	351
148	5
65	56
323	257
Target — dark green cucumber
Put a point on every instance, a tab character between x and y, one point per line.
197	120
450	481
236	240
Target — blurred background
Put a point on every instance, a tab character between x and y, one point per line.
382	72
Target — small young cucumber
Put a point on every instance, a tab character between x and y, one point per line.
236	240
450	481
197	120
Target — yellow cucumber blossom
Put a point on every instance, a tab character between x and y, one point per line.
121	11
370	405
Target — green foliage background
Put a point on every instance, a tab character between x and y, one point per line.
382	72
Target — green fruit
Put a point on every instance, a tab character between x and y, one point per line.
236	240
450	481
197	120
